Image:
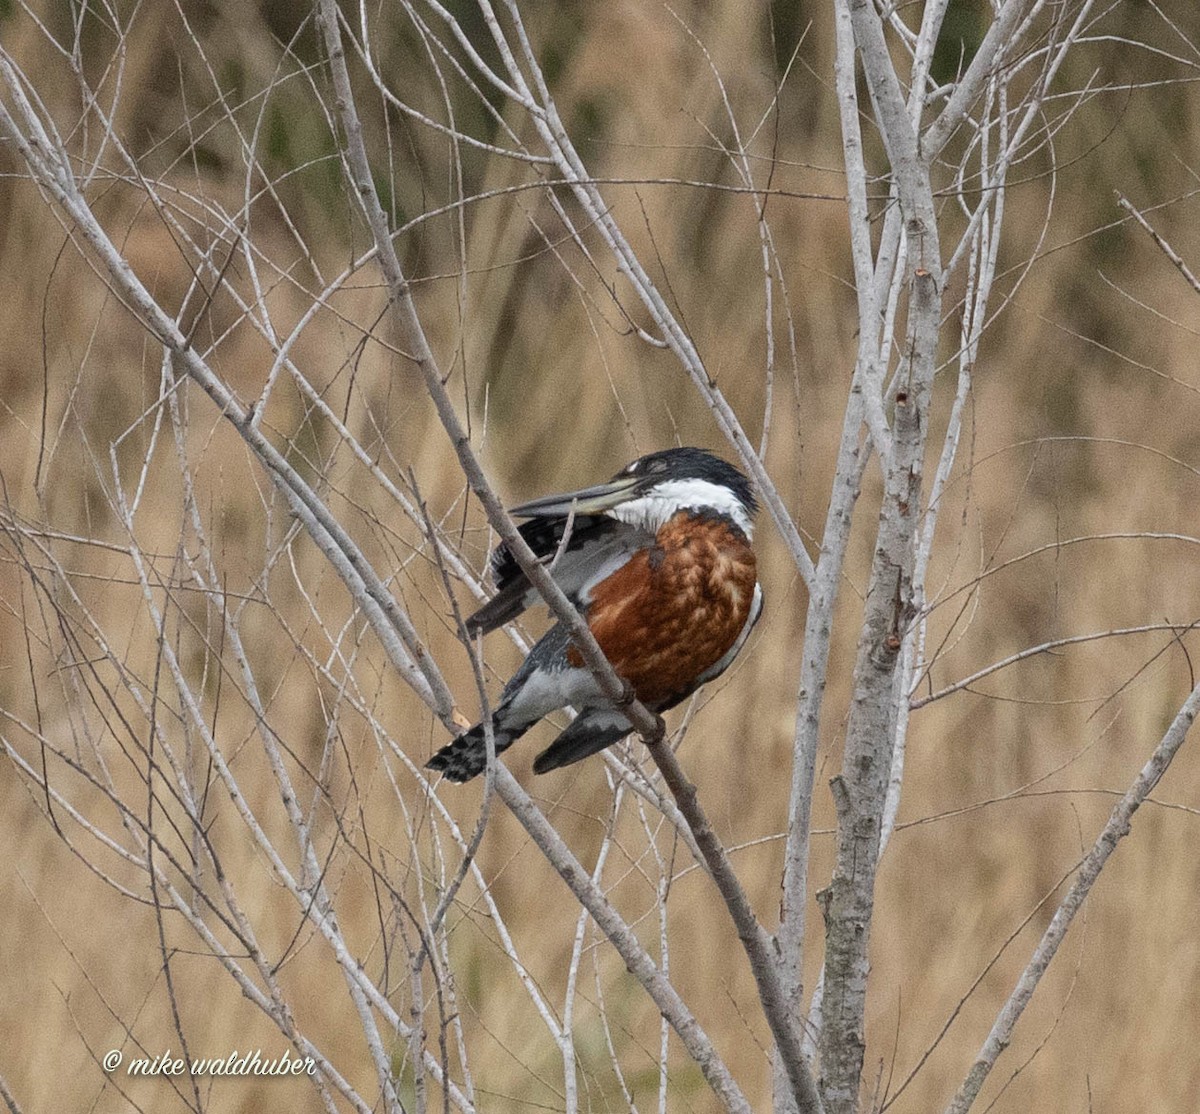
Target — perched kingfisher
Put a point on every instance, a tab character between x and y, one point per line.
658	562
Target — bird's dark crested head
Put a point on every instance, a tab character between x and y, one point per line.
687	478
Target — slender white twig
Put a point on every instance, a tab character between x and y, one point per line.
1037	651
1114	831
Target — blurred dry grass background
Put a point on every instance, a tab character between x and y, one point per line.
1083	423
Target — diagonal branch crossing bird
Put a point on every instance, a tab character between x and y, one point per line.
659	563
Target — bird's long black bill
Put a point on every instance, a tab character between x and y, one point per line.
587	500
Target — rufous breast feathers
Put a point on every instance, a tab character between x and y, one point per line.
673	610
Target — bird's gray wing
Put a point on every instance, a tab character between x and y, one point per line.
596	548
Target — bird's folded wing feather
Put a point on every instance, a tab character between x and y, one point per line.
596	547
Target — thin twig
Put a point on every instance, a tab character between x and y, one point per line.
1114	831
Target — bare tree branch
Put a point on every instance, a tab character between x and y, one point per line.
1114	831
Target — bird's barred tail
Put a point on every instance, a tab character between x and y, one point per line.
466	756
592	731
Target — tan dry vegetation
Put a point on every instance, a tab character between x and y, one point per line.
561	393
